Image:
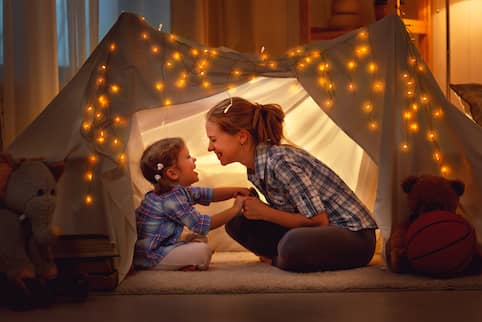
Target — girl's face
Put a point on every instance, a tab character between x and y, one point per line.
226	146
185	168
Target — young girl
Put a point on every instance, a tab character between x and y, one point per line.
312	221
165	210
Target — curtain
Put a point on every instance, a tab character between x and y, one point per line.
33	72
242	25
30	75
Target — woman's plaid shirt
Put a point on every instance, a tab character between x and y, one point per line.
294	181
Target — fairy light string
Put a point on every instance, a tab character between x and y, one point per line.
179	65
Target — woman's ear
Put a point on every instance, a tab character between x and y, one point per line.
243	136
172	174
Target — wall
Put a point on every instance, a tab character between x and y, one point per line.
465	35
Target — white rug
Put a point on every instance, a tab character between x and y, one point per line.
241	273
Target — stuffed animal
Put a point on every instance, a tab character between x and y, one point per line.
432	202
28	272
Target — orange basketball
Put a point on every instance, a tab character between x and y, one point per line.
440	243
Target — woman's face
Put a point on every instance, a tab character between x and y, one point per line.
226	146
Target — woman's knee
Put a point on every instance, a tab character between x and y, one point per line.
233	227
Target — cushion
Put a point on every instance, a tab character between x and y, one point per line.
471	94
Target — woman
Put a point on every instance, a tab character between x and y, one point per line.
312	220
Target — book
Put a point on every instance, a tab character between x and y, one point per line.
83	246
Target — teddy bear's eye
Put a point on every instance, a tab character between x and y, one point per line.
52	192
40	192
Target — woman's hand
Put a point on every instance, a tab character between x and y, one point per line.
254	208
239	203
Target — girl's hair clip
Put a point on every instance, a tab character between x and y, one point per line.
229	106
157	177
160	166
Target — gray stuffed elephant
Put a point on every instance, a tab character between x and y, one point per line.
28	200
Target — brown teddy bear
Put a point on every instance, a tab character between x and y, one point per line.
425	194
28	273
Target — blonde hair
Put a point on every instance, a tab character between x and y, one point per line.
164	152
264	122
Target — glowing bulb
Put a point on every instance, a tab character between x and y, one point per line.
414	107
361	51
351	65
363	34
351	87
378	86
424	98
404	146
155	50
322	81
167	102
103	100
413	127
86	125
117	120
159	86
431	135
412	60
114	88
437	113
180	83
176	56
116	141
236	72
122	157
405	76
89	175
172	37
98	115
93	158
100	81
445	170
437	156
420	68
373	125
367	107
272	65
112	47
88	200
206	84
372	67
194	52
145	35
90	109
407	115
103	68
328	103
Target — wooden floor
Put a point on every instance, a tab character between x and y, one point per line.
440	306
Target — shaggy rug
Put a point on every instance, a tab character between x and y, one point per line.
242	272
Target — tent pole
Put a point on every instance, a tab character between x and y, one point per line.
447	45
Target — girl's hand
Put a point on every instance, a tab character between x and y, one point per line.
254	208
242	192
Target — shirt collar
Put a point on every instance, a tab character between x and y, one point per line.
260	159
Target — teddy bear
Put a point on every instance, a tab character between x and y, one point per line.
425	194
28	273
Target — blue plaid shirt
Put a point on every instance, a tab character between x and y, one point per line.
293	180
160	220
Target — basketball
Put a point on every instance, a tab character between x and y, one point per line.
440	243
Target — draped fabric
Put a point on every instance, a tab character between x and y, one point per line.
364	103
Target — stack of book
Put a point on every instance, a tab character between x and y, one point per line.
92	255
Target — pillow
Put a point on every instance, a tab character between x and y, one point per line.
471	94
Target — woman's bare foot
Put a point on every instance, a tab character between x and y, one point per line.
266	260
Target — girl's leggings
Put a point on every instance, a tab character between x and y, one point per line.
304	249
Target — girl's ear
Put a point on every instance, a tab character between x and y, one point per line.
172	174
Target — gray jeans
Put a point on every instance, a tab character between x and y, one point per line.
304	249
